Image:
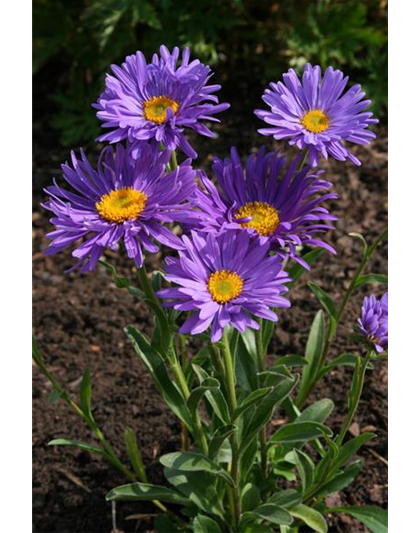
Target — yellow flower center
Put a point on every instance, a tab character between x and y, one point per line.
224	286
155	108
122	204
315	121
265	218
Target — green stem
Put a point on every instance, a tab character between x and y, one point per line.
359	377
173	163
304	158
146	285
261	367
235	473
333	324
182	382
216	359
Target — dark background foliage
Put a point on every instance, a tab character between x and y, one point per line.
248	43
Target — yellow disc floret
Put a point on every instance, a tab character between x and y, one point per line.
315	121
224	286
265	218
122	204
155	108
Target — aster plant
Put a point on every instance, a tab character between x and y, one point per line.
234	244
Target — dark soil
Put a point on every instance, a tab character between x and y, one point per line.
79	321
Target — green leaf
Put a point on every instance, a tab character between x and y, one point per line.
214	396
55	395
250	342
134	454
274	514
79	444
375	518
305	468
86	395
199	488
264	411
146	492
341	480
313	354
361	238
297	270
250	497
245	367
120	281
156	367
286	498
324	299
194	462
218	438
198	393
312	518
371	278
317	412
350	448
291	360
204	524
268	330
300	432
345	359
255	397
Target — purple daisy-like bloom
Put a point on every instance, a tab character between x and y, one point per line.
158	101
374	321
224	278
315	114
122	199
269	200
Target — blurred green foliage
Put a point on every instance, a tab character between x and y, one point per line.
248	42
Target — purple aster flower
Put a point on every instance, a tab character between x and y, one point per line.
122	199
269	200
374	321
158	101
224	278
315	114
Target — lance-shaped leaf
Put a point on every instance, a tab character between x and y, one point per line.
311	517
86	395
345	359
313	354
79	444
156	367
305	468
300	432
205	524
264	411
133	452
251	400
146	492
274	514
196	394
250	497
349	449
324	299
245	367
219	437
286	498
291	360
375	518
199	488
371	278
194	462
213	395
340	480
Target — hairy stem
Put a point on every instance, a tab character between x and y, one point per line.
261	367
231	393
